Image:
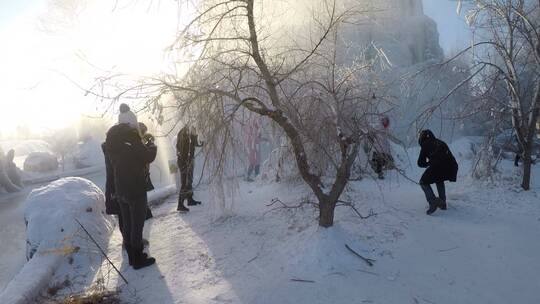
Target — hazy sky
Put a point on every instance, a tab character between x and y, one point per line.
35	63
131	40
453	32
9	9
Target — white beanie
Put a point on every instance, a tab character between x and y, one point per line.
129	118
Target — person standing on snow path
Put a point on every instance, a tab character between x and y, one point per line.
382	154
441	166
186	141
111	203
127	158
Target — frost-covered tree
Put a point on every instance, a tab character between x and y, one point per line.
62	142
506	56
287	73
238	56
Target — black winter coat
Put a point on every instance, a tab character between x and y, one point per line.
437	158
129	159
186	142
111	205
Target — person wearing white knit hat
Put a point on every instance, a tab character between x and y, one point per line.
127	116
126	162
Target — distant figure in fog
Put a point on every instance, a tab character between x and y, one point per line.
186	142
441	166
8	170
382	154
13	172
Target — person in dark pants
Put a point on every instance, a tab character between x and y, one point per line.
186	142
111	204
382	153
127	158
441	166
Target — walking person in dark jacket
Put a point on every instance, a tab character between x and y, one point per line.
186	142
441	166
128	157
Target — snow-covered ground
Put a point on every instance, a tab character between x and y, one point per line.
483	249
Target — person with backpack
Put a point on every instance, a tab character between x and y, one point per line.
441	166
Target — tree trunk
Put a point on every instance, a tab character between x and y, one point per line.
326	213
527	162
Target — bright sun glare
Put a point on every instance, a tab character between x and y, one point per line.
48	49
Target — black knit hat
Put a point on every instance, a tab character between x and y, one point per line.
425	136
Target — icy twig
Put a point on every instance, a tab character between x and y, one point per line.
367	260
353	207
102	252
445	250
302	280
365	271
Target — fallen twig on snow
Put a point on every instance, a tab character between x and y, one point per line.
285	206
102	252
336	273
373	273
427	300
303	281
368	261
444	250
353	207
253	259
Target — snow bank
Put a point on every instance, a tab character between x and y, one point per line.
161	193
88	154
40	162
53	235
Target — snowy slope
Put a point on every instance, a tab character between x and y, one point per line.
483	249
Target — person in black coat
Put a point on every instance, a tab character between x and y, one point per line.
186	142
127	158
111	204
441	166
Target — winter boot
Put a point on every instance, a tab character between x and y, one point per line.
181	206
130	255
192	202
440	203
432	208
140	259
